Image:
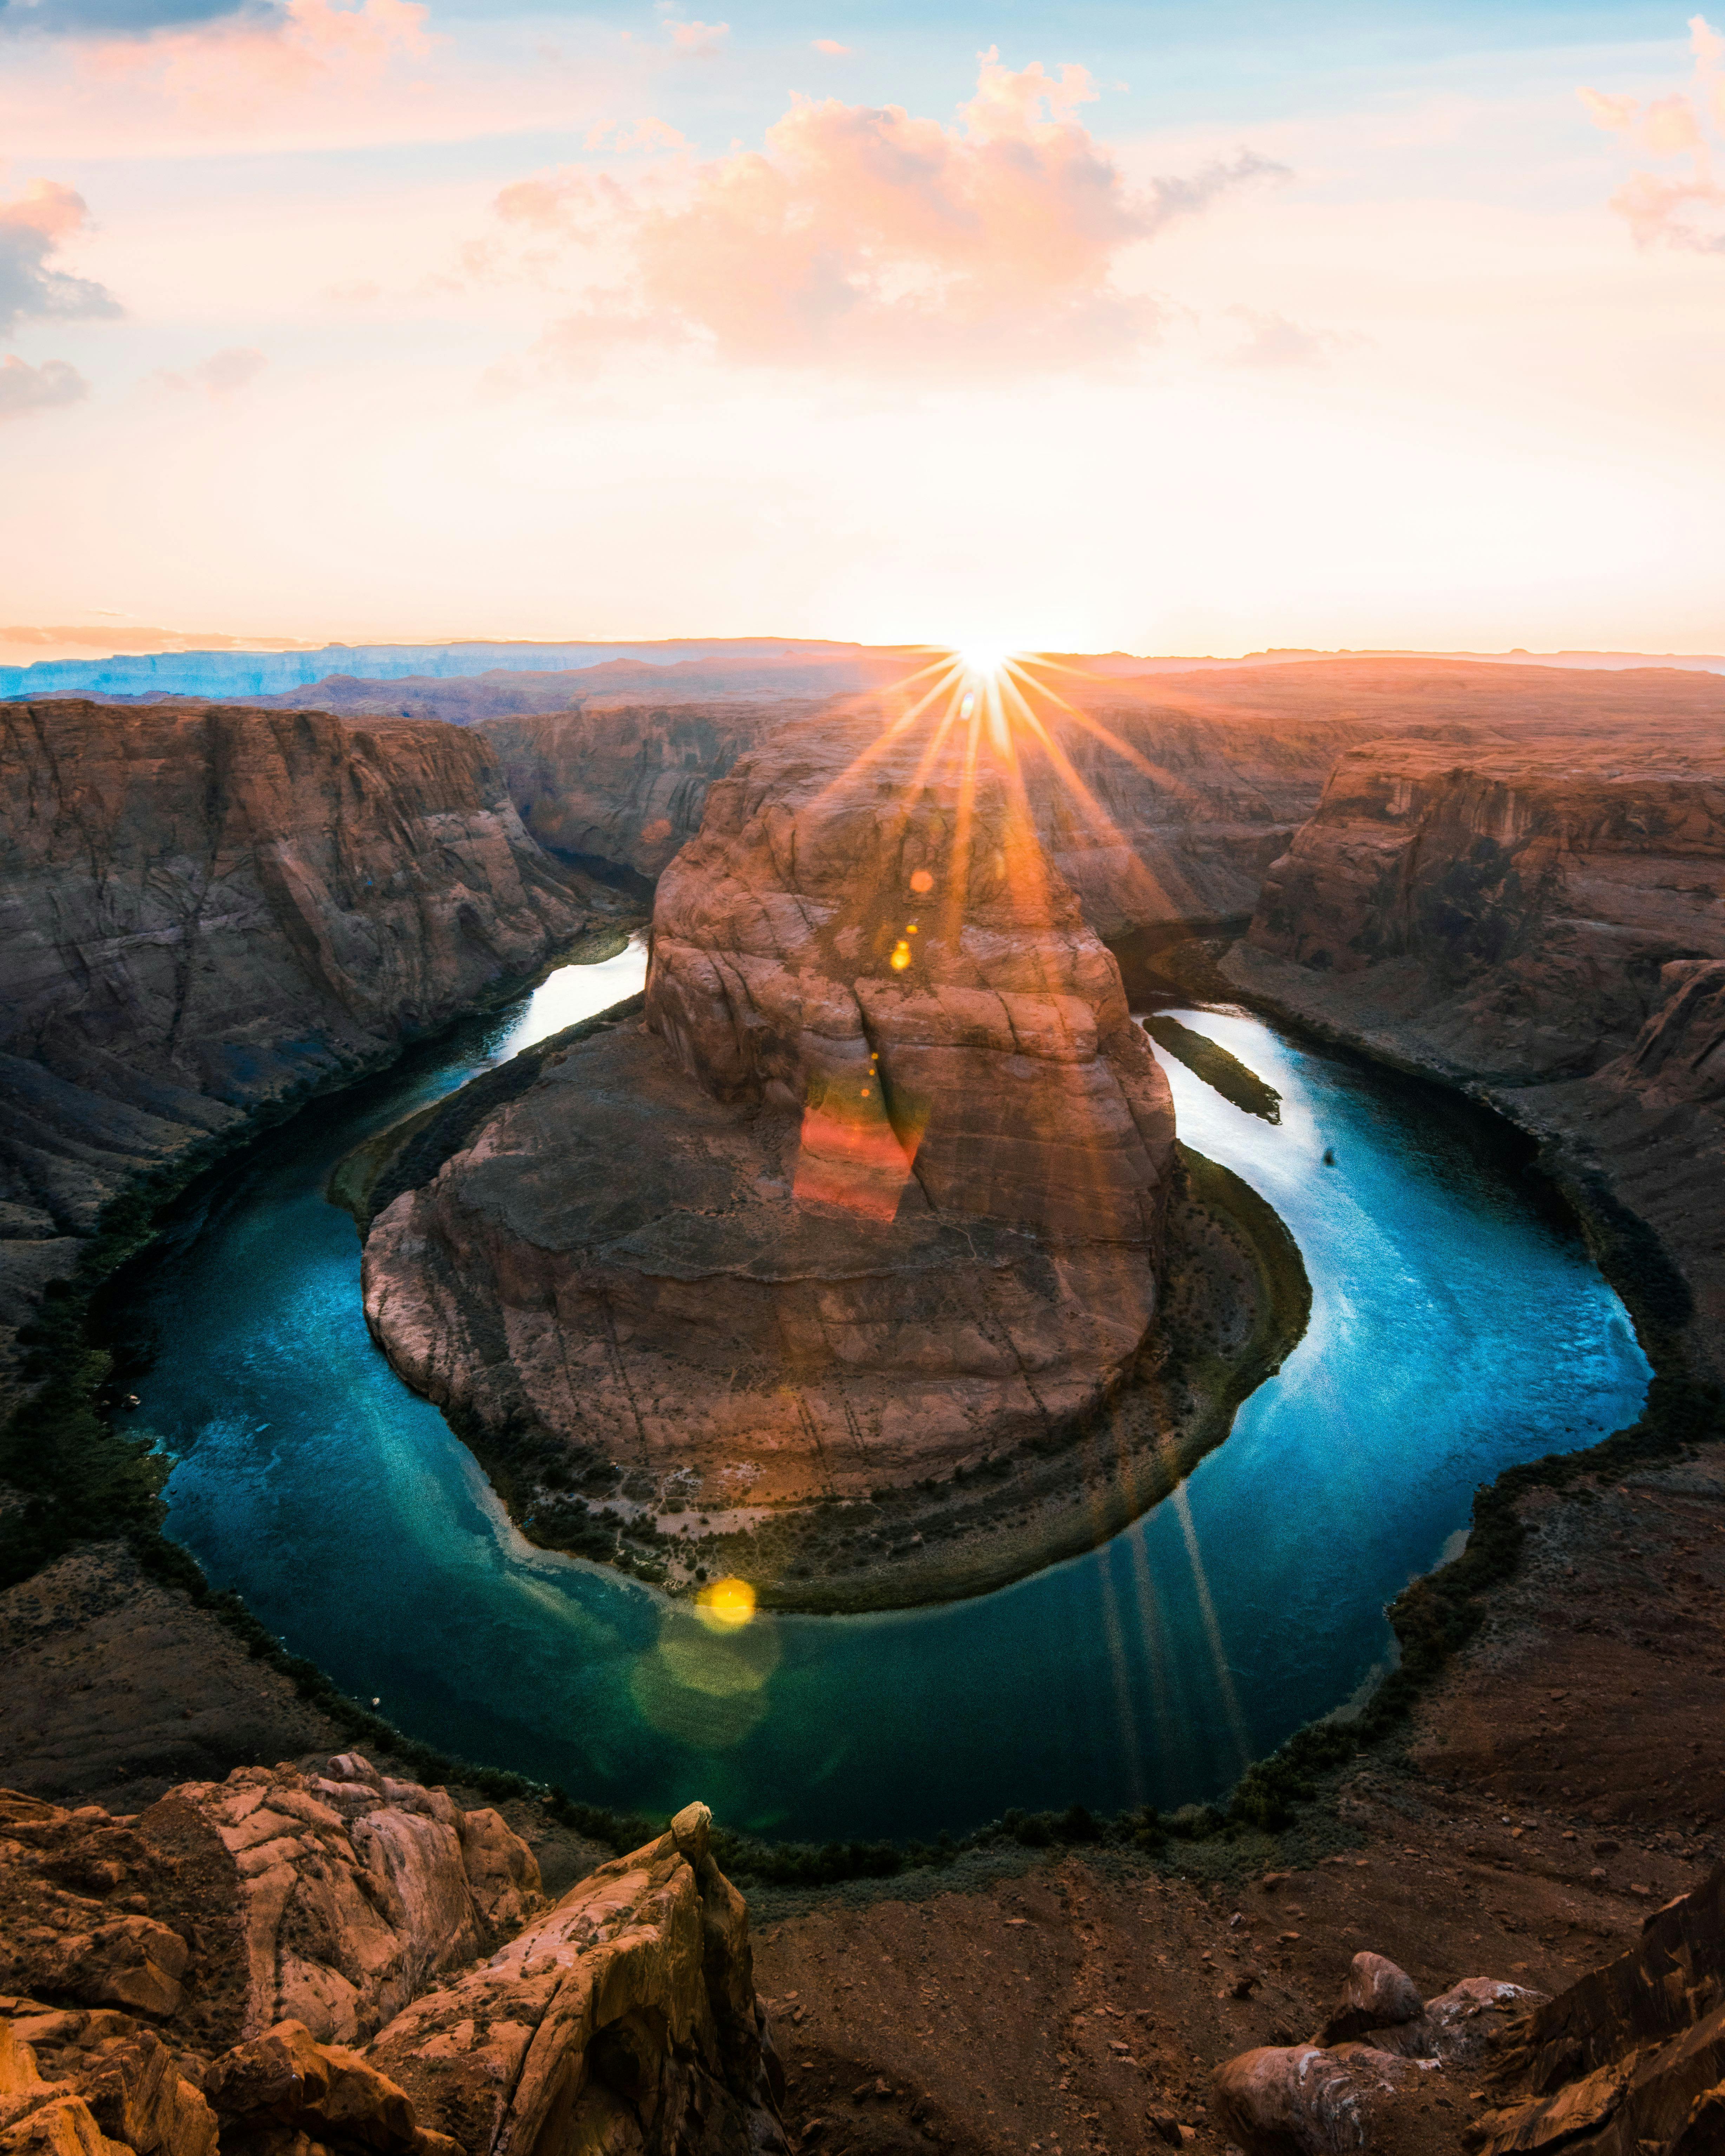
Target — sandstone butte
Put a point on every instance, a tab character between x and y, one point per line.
875	1191
1545	923
203	909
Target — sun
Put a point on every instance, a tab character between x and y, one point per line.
984	662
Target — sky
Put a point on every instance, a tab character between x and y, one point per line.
1159	328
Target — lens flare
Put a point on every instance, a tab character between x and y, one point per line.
726	1605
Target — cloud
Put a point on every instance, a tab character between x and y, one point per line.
249	59
222	375
33	227
832	50
622	137
861	236
1192	195
697	40
25	388
116	18
1273	341
1685	209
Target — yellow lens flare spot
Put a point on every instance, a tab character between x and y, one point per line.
726	1605
901	956
921	880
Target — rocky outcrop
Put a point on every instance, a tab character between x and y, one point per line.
1547	927
1525	905
624	2018
1629	2060
623	786
206	911
331	1899
876	1193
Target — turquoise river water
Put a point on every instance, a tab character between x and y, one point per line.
1458	1326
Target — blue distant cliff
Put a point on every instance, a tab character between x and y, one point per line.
232	674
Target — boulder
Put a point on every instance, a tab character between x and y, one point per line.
1304	2100
1377	1994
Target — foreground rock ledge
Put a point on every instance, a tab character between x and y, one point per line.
624	2018
876	1193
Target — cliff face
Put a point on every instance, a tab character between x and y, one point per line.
202	910
625	785
1549	924
876	1193
294	1916
1537	899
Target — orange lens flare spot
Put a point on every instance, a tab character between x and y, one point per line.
901	956
726	1605
921	880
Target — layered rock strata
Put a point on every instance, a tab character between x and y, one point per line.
1549	929
876	1192
623	786
204	911
623	2017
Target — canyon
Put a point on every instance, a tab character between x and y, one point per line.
208	911
1545	925
945	1196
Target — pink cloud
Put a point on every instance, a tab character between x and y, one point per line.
832	50
24	388
698	40
220	376
247	62
34	227
861	234
1686	209
623	137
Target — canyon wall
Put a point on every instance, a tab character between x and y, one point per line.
874	1193
624	784
1545	923
202	911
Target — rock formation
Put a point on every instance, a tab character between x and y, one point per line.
1547	926
203	910
876	1192
623	785
1345	2089
624	2017
1630	2059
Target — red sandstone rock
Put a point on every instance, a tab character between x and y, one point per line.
878	1194
204	909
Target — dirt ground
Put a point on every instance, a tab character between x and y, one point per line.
1563	1779
1567	1776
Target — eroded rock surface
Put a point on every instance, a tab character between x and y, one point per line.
625	785
331	1899
1548	925
624	2018
1629	2060
202	909
875	1192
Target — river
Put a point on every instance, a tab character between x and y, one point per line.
1457	1327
